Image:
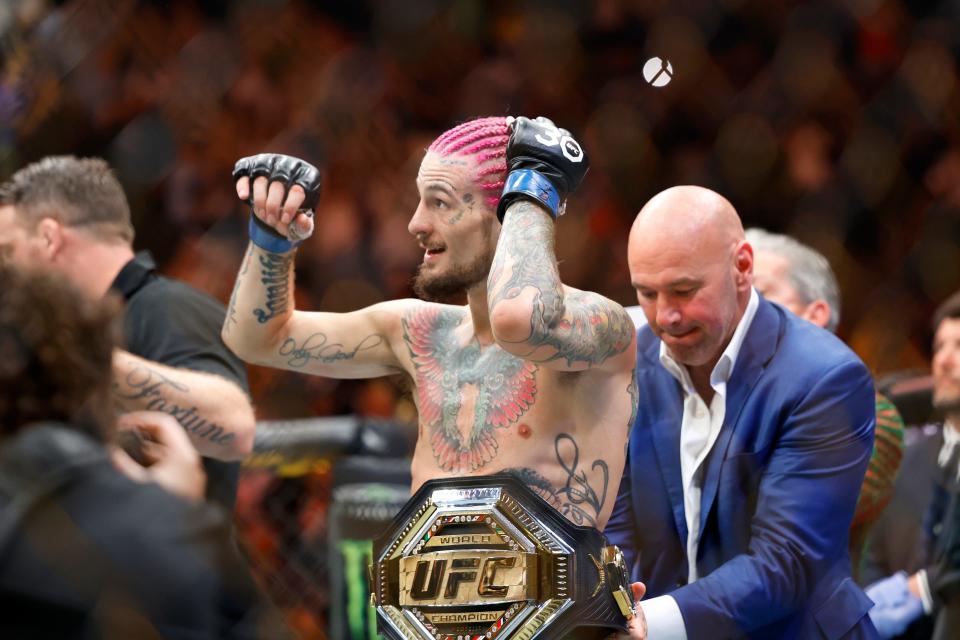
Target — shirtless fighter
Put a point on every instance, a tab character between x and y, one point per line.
531	376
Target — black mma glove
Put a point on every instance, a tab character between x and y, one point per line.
545	164
278	168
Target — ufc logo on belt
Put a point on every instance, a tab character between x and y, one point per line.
466	577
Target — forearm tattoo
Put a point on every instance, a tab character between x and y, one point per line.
231	317
581	327
275	276
525	250
318	348
577	499
464	394
147	388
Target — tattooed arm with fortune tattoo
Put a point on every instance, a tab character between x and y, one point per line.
215	412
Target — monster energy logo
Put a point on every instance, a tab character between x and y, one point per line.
361	616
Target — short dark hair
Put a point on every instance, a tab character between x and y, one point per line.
56	353
74	191
948	309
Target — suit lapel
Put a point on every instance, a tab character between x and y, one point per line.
758	348
665	432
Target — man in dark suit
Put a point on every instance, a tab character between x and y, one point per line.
752	435
911	554
897	543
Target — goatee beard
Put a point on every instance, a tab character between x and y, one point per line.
947	405
450	287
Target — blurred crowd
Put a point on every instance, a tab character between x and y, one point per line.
835	121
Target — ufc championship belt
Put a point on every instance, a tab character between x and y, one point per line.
485	557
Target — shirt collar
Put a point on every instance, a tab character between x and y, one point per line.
950	434
951	439
134	274
728	359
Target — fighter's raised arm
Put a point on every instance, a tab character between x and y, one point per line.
532	314
262	326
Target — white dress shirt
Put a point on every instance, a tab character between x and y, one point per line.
699	429
951	441
636	314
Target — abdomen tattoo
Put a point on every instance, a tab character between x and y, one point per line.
584	492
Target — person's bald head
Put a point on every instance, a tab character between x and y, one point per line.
692	270
689	216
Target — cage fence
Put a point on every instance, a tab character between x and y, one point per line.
310	501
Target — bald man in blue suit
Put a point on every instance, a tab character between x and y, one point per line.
752	435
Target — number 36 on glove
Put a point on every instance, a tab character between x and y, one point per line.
546	164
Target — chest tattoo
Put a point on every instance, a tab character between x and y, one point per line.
464	393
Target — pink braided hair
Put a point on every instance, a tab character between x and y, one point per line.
484	139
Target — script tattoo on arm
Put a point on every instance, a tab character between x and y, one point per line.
232	307
318	348
147	388
275	276
581	327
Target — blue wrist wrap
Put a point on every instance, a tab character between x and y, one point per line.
267	239
532	184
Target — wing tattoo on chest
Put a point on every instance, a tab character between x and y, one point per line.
464	393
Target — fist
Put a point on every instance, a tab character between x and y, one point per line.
283	192
552	154
168	457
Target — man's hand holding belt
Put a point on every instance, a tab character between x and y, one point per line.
637	625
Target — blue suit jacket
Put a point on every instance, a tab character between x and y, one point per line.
778	493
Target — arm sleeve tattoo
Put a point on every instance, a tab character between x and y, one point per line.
578	327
